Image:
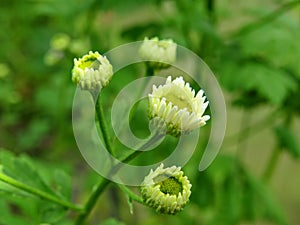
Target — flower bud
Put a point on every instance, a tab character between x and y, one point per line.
178	106
92	72
159	53
166	189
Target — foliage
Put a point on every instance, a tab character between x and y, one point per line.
253	49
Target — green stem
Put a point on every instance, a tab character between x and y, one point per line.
272	164
39	193
98	189
254	129
102	123
275	154
265	19
149	71
131	195
241	145
133	155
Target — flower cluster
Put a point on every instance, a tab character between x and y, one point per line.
176	103
92	72
159	53
166	189
174	108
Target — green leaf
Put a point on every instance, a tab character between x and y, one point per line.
6	218
112	221
270	83
51	213
26	172
287	140
21	169
63	184
277	42
264	203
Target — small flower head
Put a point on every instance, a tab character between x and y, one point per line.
92	72
166	189
178	106
159	53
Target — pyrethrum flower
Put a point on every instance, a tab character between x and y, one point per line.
166	189
178	106
159	53
92	72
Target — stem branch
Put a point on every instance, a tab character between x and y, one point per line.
131	195
39	193
272	164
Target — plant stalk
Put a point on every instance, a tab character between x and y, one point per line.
39	193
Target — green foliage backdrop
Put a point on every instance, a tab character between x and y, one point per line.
252	47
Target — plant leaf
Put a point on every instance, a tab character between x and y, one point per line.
287	140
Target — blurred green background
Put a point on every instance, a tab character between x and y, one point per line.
251	46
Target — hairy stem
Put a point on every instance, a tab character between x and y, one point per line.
39	193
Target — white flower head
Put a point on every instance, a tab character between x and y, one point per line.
92	72
166	189
177	105
159	53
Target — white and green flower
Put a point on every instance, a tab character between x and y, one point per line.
177	105
92	72
166	190
159	53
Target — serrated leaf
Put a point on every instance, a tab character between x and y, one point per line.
21	169
63	184
26	172
277	41
51	213
287	140
272	84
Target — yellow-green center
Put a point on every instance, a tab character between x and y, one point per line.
178	97
90	62
170	185
163	44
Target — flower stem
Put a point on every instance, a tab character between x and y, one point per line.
39	193
272	164
152	140
98	189
102	123
131	195
149	71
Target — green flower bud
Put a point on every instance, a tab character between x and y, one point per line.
166	189
92	72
